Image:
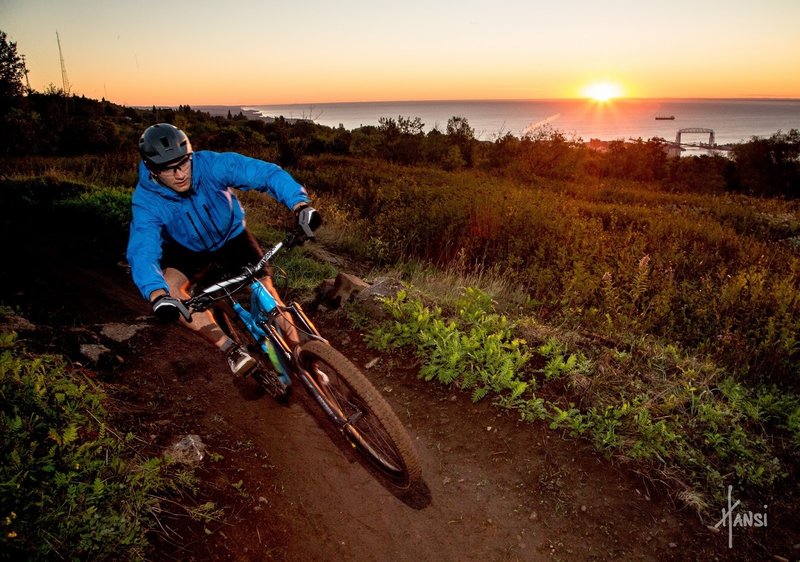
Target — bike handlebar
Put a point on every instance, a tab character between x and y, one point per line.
205	299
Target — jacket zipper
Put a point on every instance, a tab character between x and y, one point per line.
199	235
211	220
207	230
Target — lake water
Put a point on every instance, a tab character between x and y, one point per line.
731	120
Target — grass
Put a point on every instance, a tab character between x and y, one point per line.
716	274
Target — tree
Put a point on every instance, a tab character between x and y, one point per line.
12	71
462	136
768	167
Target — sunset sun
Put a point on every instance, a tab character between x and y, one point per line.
602	91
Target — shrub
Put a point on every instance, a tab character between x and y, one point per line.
71	489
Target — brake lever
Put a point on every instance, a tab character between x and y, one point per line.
185	312
296	238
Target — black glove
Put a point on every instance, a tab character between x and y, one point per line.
308	219
166	308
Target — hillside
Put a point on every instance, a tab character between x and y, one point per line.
590	348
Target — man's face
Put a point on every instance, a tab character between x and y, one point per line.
178	176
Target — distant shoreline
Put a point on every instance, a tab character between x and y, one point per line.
223	110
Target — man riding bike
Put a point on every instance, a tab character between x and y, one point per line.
186	218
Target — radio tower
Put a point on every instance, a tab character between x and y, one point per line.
64	79
27	82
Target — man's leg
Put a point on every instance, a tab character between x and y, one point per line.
285	320
239	361
202	322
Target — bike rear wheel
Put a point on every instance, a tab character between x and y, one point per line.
264	373
361	413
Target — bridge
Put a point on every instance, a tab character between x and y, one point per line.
692	130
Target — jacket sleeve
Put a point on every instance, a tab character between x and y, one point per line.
242	172
144	250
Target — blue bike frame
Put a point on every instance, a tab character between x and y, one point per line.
259	320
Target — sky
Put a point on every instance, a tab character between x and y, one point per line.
251	52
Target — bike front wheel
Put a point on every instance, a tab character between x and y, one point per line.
361	413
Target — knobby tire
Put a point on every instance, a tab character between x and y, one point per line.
374	429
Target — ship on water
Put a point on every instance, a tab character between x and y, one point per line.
665	117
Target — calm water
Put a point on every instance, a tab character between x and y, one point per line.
731	120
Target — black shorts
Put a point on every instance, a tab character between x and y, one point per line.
210	267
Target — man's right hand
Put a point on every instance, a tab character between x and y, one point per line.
166	308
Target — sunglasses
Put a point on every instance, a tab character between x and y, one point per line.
181	165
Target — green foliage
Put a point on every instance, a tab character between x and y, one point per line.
684	418
560	362
70	488
300	271
95	218
719	275
475	350
107	209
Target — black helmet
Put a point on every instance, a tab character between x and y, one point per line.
163	143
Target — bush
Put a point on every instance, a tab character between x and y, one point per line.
71	490
768	167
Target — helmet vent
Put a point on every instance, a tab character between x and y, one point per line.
164	142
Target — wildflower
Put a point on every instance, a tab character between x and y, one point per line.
12	534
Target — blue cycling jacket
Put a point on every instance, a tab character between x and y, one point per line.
204	218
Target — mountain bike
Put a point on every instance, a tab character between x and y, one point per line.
348	400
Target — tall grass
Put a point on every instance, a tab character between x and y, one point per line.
717	274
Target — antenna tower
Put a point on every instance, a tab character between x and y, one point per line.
64	79
27	82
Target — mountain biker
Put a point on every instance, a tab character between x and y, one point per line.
186	218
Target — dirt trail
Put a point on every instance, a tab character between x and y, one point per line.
495	489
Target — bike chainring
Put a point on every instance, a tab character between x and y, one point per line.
270	382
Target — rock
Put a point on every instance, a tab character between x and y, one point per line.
12	322
121	332
369	297
332	293
188	450
93	351
345	286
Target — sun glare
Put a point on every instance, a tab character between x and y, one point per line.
602	91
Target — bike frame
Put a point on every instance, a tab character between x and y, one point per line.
260	319
335	384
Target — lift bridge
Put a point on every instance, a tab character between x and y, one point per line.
695	130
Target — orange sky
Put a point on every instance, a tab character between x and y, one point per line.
248	52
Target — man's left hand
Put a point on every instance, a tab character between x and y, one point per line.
308	219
